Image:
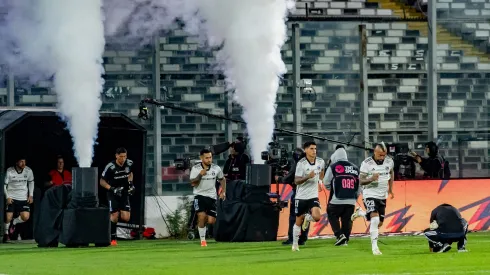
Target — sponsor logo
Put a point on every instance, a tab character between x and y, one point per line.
339	169
351	170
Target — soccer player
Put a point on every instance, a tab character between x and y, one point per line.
19	190
117	178
342	179
309	171
446	226
376	177
203	178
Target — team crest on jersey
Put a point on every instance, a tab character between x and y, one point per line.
387	168
25	176
213	173
318	167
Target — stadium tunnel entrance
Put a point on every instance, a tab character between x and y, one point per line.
40	136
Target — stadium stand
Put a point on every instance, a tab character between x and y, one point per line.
474	14
340	8
397	85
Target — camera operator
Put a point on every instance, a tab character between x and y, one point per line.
435	166
236	165
298	154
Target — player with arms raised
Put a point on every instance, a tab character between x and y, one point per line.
309	171
203	178
377	180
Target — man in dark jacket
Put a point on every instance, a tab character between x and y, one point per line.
235	167
289	179
446	226
435	166
342	179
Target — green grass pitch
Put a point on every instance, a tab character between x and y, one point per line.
401	255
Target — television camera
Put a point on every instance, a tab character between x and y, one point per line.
404	162
184	163
276	157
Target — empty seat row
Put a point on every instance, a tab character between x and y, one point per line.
339	8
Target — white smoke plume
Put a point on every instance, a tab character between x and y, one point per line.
249	35
63	39
253	33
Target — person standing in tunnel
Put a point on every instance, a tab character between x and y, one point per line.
60	175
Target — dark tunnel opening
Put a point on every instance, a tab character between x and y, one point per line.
40	137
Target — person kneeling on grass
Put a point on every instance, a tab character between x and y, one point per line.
446	226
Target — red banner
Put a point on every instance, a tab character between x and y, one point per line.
410	210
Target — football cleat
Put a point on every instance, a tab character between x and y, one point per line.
358	213
377	252
295	247
306	223
113	243
204	243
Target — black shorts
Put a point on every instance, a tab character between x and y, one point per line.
302	207
375	205
205	204
117	204
18	207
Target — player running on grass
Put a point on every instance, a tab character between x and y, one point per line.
377	180
309	171
203	178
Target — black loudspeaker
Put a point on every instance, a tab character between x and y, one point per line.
83	221
258	175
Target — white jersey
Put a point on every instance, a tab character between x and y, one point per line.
19	186
377	189
309	189
207	186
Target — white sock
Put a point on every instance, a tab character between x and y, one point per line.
296	232
362	213
17	220
373	229
309	218
202	233
7	227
